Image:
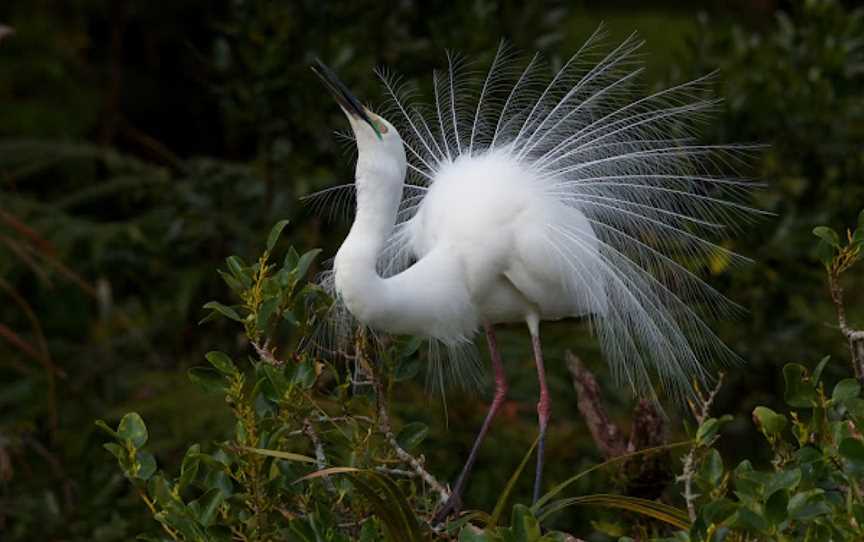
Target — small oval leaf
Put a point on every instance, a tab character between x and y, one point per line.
412	435
222	362
133	429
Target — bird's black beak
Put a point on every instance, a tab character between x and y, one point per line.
343	96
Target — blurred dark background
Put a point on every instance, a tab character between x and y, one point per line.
143	142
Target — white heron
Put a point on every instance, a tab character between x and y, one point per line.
523	197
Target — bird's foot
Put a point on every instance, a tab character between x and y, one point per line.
450	508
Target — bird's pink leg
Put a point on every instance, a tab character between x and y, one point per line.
543	411
454	503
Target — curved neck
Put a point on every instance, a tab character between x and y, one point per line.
379	191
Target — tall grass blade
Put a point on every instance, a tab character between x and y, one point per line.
653	509
511	483
560	487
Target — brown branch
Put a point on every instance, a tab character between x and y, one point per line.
854	336
649	428
605	433
648	476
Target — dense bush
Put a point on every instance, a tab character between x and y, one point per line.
314	455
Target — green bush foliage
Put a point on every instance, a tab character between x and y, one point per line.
314	456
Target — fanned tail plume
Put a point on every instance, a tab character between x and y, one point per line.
659	203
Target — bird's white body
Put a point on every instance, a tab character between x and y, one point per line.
480	240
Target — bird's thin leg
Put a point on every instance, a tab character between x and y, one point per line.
543	409
454	503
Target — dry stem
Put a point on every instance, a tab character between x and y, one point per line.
854	336
386	429
701	412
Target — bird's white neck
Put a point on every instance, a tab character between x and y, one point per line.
379	191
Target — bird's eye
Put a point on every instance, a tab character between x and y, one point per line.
380	126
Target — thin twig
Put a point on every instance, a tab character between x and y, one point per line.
854	336
320	457
385	428
701	412
267	354
397	472
168	530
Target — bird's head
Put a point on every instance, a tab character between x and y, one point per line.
376	138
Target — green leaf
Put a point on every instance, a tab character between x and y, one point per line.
750	520
369	532
209	379
232	282
221	480
105	427
828	235
525	526
133	429
116	450
289	317
407	346
511	483
291	259
817	372
275	232
412	435
775	507
265	311
306	261
784	480
800	391
289	456
711	469
558	488
609	529
160	491
222	362
146	465
304	373
855	410
852	449
769	421
808	504
710	428
209	506
189	467
275	377
668	514
846	389
385	499
224	310
717	511
861	220
406	369
239	269
825	253
470	533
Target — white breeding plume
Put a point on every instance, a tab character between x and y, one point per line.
517	196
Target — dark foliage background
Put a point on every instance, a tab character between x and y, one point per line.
141	143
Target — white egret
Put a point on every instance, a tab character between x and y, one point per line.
519	197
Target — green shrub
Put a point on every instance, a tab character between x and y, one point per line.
314	455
